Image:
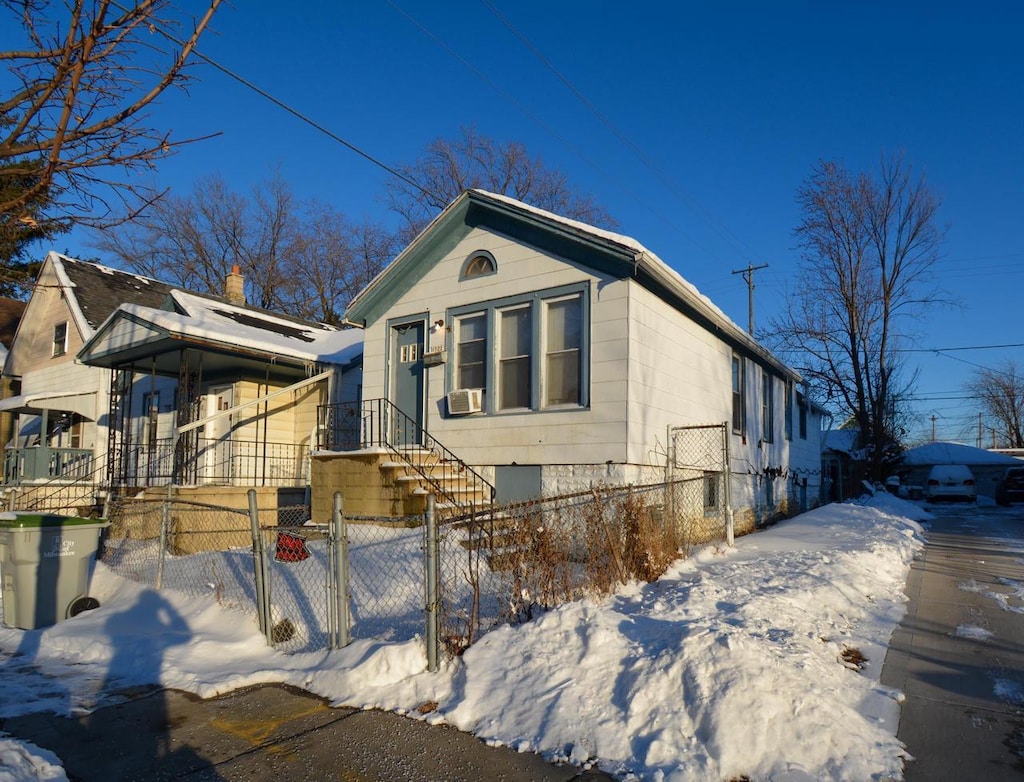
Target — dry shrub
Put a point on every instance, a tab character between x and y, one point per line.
648	548
536	551
853	658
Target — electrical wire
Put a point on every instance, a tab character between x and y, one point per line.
157	27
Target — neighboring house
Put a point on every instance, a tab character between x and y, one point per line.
10	315
61	405
986	465
551	356
215	397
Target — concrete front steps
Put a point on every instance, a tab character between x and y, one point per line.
379	482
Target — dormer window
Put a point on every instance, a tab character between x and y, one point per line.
60	339
479	264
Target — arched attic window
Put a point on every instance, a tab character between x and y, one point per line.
479	264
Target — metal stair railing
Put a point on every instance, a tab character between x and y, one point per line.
379	423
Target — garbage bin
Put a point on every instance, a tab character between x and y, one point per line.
45	565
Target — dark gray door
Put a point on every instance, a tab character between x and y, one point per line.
407	382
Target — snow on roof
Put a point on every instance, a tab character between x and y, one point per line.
842	440
627	242
954	453
231	325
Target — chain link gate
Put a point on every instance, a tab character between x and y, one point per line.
699	485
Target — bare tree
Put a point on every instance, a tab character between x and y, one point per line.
1001	394
73	128
451	166
298	257
334	260
868	244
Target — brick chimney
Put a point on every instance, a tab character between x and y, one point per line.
234	286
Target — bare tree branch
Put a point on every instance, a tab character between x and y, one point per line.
74	130
300	258
1001	395
868	246
451	166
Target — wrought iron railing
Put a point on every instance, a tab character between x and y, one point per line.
226	461
377	423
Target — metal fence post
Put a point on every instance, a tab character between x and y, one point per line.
433	607
260	571
339	531
165	525
727	474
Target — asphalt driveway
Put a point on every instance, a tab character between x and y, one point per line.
959	653
270	732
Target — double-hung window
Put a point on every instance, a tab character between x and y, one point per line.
514	361
60	339
789	410
564	343
527	352
767	407
738	412
471	351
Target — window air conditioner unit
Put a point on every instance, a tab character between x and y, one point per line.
463	401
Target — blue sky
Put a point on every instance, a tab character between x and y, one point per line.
731	105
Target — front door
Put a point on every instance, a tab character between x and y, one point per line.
407	382
219	464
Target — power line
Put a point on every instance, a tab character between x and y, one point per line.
291	110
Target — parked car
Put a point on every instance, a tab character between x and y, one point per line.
951	482
1010	487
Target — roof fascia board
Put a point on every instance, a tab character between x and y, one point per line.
473	210
554	238
71	297
438	238
91	351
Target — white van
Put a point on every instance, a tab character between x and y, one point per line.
951	482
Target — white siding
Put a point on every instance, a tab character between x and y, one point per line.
596	434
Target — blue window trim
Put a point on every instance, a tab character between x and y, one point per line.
536	300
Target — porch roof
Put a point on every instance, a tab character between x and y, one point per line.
81	402
232	339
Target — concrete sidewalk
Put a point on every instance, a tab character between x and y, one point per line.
959	653
270	732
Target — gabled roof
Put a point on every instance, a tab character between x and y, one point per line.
604	251
99	290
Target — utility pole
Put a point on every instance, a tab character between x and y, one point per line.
979	430
748	278
934	419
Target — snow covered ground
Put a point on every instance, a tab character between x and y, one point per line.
759	661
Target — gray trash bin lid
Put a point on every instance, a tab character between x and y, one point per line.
17	520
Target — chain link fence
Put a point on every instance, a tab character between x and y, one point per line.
698	472
512	562
311	587
205	550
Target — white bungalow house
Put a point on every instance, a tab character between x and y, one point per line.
544	355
